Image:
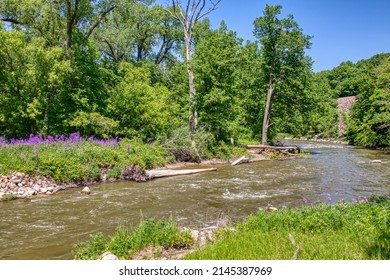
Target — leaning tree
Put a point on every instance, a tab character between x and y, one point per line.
284	63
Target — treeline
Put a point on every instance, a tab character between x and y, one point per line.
118	68
369	81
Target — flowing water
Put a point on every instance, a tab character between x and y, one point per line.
47	227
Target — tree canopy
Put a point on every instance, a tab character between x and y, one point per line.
120	68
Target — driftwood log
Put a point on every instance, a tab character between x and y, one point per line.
151	174
243	159
258	149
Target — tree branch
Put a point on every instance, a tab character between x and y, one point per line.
99	20
11	20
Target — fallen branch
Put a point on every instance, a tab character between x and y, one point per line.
295	256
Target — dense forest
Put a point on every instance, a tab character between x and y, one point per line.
135	69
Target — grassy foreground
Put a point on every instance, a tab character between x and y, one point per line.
346	231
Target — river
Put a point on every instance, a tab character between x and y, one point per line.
47	227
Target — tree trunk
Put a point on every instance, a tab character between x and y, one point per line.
267	114
193	117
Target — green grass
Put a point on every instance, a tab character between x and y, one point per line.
346	231
126	241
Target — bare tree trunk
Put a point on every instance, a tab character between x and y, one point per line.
267	111
193	114
188	16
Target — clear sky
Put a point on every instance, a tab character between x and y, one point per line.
342	30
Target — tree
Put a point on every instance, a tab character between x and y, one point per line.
188	15
215	61
369	122
285	66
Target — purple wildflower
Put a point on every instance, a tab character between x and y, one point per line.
329	197
305	200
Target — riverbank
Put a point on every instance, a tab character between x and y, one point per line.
345	231
21	185
44	166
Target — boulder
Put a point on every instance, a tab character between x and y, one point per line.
376	161
86	190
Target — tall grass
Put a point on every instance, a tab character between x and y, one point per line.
345	231
126	241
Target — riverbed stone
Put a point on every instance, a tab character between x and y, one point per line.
36	187
376	161
106	256
30	191
86	190
43	190
271	209
12	185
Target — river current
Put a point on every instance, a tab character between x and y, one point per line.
47	227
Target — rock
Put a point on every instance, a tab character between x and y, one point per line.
1	195
43	190
376	161
30	191
17	181
50	189
12	186
271	209
36	187
19	174
86	190
108	256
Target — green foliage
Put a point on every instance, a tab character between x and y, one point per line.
369	123
343	231
215	63
320	116
226	152
180	146
125	241
118	69
80	162
142	110
8	197
93	124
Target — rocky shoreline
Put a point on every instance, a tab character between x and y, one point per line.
21	185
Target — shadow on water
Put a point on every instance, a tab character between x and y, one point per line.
48	226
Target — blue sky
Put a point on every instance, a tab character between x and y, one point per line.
342	29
